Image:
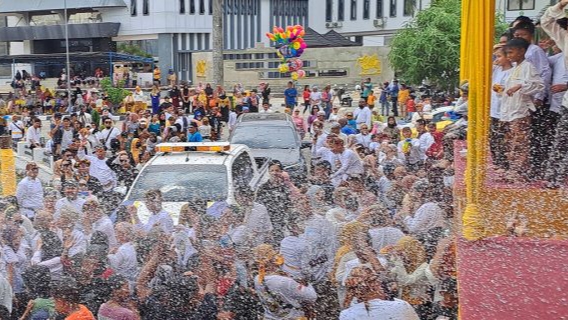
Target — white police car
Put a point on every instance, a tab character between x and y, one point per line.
200	171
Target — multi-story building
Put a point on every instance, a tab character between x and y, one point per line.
529	8
369	22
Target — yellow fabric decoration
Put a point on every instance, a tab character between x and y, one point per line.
477	28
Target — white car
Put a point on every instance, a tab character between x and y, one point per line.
202	171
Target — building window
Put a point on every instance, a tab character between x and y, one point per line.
182	6
328	10
409	6
392	8
366	9
210	6
353	9
333	73
340	10
133	9
517	5
379	13
145	7
201	6
191	6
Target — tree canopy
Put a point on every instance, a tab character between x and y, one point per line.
428	47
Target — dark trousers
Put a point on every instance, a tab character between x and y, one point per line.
497	144
394	101
557	169
543	123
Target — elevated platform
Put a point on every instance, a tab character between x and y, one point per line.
546	210
513	278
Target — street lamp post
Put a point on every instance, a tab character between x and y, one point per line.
68	67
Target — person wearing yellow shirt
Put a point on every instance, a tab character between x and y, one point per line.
403	96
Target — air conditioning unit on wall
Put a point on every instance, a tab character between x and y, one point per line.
380	23
332	25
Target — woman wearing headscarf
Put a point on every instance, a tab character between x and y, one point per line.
281	296
392	130
411	270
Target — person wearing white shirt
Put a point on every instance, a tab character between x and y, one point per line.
372	302
158	216
320	244
557	169
363	115
30	192
281	296
95	220
33	134
315	97
425	138
292	249
16	128
68	233
559	79
501	71
232	120
409	149
537	57
108	133
363	137
123	259
521	87
99	167
265	108
70	190
346	161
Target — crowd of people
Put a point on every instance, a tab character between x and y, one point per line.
368	234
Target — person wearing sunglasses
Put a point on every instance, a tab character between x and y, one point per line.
30	192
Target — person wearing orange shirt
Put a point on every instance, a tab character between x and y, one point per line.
403	95
66	296
371	99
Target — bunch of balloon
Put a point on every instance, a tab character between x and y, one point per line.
290	46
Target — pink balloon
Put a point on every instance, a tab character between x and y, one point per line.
301	73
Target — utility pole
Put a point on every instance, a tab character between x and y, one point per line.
68	63
218	67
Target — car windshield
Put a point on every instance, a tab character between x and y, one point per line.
180	183
265	137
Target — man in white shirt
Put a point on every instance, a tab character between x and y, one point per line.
363	114
315	97
16	128
70	190
94	219
99	167
346	161
123	258
30	192
363	137
67	231
159	217
266	108
108	133
33	134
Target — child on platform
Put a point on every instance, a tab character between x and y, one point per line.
517	103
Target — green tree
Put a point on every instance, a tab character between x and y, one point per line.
428	47
115	94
